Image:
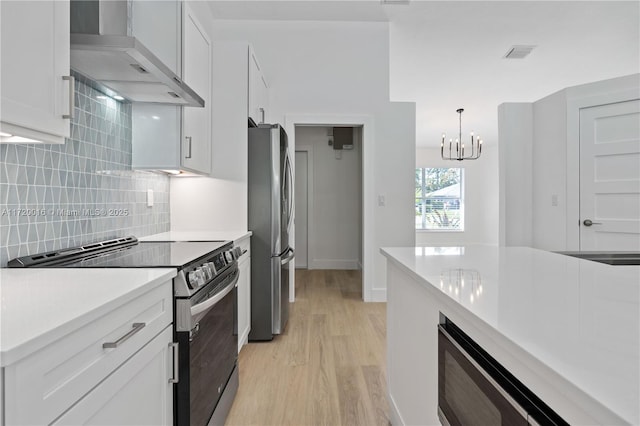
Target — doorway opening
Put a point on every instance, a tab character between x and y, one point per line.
329	197
365	126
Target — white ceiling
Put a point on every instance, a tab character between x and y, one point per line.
449	54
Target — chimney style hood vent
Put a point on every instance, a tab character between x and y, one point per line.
103	50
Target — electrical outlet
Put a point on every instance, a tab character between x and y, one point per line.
149	197
554	200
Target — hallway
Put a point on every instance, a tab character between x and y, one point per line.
328	368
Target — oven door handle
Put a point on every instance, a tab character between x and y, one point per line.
212	301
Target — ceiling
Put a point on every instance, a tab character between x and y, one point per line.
446	55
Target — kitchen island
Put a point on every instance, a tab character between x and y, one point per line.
567	328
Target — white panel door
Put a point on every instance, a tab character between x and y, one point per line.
301	209
610	177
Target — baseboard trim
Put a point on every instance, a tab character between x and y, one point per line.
377	295
394	414
334	264
244	339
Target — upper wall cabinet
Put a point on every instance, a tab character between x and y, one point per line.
240	93
36	88
168	138
196	124
258	91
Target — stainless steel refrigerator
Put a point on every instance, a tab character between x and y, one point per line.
270	219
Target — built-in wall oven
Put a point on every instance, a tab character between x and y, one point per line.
474	389
205	314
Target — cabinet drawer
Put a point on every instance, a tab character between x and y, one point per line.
41	387
137	393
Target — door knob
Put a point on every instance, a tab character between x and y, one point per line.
589	222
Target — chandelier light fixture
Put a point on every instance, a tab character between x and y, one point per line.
458	154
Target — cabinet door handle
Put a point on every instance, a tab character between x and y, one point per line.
188	138
72	89
176	362
137	326
262	112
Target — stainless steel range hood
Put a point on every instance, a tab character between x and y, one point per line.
103	49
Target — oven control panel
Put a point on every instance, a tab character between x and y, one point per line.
219	261
200	275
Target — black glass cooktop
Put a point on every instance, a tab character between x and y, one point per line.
149	255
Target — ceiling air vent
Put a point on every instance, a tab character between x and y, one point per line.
518	52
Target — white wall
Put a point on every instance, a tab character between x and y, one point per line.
342	69
549	172
515	151
480	199
334	233
554	160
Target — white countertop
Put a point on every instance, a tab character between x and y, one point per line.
579	318
198	236
39	306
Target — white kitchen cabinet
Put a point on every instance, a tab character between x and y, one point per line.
234	67
143	379
169	138
36	89
196	125
244	292
76	379
258	90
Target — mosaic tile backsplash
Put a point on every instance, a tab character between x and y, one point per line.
59	196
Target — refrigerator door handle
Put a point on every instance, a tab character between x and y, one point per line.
291	193
290	254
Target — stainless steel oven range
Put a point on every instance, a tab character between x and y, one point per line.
205	313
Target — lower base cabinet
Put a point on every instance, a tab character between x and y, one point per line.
111	370
137	393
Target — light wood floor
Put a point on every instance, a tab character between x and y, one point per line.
328	368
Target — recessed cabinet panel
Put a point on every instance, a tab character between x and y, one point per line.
196	131
37	100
